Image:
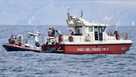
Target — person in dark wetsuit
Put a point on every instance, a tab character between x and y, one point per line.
117	35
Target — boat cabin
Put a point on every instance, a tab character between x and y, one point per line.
93	29
83	28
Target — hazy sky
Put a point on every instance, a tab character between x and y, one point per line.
42	12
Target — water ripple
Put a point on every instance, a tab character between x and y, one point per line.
31	64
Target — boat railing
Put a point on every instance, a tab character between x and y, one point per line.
121	36
80	38
108	37
66	38
124	36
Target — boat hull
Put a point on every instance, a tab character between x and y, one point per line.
96	48
12	47
78	48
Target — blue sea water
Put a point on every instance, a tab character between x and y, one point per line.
31	64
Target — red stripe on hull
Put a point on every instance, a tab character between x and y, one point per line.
96	49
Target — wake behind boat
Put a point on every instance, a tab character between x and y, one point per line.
84	38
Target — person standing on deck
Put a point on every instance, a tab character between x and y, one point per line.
37	41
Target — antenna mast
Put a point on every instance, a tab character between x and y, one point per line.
81	14
68	14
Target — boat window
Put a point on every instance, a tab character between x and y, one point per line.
90	29
96	29
98	33
78	30
100	29
103	29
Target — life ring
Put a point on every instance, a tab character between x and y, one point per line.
70	38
